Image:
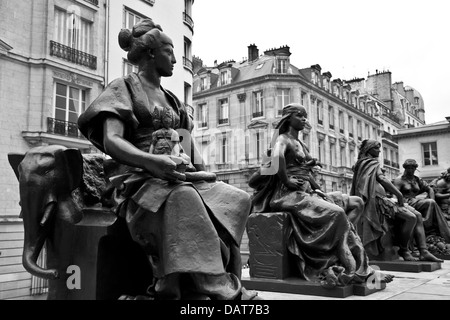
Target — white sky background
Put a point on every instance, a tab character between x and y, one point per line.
348	38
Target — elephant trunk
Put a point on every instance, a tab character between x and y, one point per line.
35	237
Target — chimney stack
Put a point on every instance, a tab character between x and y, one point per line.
253	52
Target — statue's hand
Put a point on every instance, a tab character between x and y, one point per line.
294	184
165	168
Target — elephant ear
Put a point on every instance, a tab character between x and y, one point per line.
74	167
14	160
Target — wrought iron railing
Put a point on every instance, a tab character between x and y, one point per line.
188	20
94	2
223	121
64	128
188	64
258	114
72	55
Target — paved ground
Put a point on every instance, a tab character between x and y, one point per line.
406	286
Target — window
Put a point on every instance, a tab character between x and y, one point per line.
341	122
259	139
367	132
283	98
70	102
128	67
282	65
359	128
258	100
73	31
350	126
223	149
224	78
202	115
314	77
331	117
320	112
306	140
430	155
334	186
303	99
204	83
321	151
223	111
332	154
352	157
130	19
343	157
326	84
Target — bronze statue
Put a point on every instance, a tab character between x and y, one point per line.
322	241
381	212
191	229
411	186
441	187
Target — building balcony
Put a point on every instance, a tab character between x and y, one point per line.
224	121
203	125
188	21
72	55
94	2
224	166
345	171
258	114
187	64
68	129
387	135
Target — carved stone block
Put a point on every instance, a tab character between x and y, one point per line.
268	250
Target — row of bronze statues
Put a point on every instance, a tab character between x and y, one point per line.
189	225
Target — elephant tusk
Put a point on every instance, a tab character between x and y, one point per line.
49	209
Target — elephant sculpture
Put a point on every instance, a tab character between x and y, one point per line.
61	198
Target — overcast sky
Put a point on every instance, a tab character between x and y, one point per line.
349	38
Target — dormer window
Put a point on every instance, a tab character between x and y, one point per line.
314	77
204	83
225	77
282	65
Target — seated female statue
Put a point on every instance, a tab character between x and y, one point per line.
411	186
189	225
321	238
370	183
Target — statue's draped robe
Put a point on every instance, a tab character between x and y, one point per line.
320	236
178	238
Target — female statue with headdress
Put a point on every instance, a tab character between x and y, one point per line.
189	225
381	213
321	238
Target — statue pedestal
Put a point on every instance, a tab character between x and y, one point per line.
270	267
406	266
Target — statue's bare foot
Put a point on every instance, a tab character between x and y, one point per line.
407	256
426	255
385	277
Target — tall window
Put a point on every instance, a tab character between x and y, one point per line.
306	140
320	112
129	68
321	151
283	98
224	149
258	106
343	157
430	154
367	132
341	122
359	128
73	31
350	126
303	99
331	117
352	157
332	154
224	117
130	19
70	102
202	115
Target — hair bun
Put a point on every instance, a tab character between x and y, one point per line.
125	39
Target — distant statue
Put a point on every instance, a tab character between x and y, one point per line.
381	212
441	186
323	242
190	226
411	186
